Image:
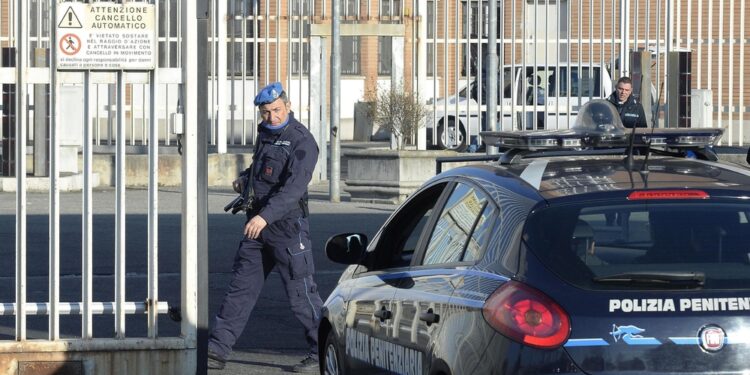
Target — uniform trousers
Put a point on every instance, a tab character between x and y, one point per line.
254	260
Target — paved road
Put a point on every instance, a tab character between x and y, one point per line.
272	341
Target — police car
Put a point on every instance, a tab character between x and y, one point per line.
597	250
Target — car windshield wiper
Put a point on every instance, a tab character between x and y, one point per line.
666	278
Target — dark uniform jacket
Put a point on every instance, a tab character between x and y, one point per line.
283	165
631	112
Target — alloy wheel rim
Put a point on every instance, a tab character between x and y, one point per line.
449	138
332	363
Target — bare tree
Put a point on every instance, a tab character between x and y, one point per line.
399	111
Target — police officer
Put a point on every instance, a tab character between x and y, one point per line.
631	111
276	234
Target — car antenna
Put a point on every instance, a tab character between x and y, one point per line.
654	123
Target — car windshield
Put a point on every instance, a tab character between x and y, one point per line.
644	245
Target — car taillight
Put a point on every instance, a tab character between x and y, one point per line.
527	315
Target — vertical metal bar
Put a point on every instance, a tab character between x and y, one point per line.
132	117
730	99
580	50
278	41
513	93
168	56
689	25
613	37
220	75
602	65
678	15
742	105
445	64
492	71
480	56
21	35
335	101
421	64
434	72
120	212
87	255
289	43
467	67
523	83
243	80
300	66
658	58
648	34
699	41
536	81
710	43
189	267
232	89
720	68
266	38
546	108
558	8
144	131
456	73
624	10
54	199
591	49
669	11
153	202
256	74
569	87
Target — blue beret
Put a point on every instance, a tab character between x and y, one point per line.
269	94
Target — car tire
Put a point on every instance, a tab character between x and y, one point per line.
332	360
445	139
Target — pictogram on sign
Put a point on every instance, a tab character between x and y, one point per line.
70	20
70	44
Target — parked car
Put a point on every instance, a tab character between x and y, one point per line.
593	250
542	96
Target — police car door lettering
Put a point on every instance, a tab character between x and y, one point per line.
685	304
383	354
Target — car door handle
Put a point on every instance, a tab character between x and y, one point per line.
429	317
383	314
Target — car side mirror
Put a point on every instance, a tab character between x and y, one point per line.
346	248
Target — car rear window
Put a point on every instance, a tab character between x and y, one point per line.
691	244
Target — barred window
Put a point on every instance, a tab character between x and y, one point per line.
350	45
390	12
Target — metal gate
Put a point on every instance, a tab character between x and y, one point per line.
76	99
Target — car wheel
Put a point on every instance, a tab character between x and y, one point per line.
447	136
333	361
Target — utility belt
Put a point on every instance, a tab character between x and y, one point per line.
304	210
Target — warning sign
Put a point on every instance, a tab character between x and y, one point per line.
106	36
70	20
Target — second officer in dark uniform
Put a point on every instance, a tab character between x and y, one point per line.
276	234
631	111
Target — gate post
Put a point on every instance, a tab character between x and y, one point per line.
189	256
317	102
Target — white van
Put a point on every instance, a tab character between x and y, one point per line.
542	96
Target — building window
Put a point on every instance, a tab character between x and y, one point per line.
389	12
350	45
350	55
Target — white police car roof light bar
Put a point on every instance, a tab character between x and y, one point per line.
599	130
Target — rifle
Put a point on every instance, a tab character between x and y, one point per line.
244	201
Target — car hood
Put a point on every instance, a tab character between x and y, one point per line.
451	100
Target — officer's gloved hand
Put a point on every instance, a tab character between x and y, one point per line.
239	184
